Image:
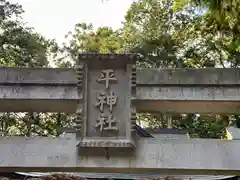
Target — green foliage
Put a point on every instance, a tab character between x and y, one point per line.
165	33
152	29
168	34
34	124
85	39
178	5
221	24
20	46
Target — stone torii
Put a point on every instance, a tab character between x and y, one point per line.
106	91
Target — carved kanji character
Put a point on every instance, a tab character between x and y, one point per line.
111	123
107	76
103	98
101	121
106	122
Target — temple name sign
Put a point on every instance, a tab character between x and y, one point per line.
106	114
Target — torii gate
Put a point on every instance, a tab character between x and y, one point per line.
109	92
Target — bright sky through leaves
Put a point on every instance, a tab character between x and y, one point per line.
54	18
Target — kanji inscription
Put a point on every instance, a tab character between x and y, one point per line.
107	83
106	99
107	76
106	122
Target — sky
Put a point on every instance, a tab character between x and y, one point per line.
55	18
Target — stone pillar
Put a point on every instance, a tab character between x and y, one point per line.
169	120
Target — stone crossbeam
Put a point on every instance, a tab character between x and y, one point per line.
181	156
166	90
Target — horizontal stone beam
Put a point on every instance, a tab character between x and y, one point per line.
145	77
64	99
184	156
165	90
37	76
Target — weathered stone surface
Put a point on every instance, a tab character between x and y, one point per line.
143	93
54	90
191	106
182	156
180	93
207	76
38	92
158	90
38	76
64	99
38	105
106	115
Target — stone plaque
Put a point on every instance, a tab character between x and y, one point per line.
106	115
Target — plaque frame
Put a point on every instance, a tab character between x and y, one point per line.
82	108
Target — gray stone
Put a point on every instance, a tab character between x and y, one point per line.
180	156
153	77
233	133
106	115
164	90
